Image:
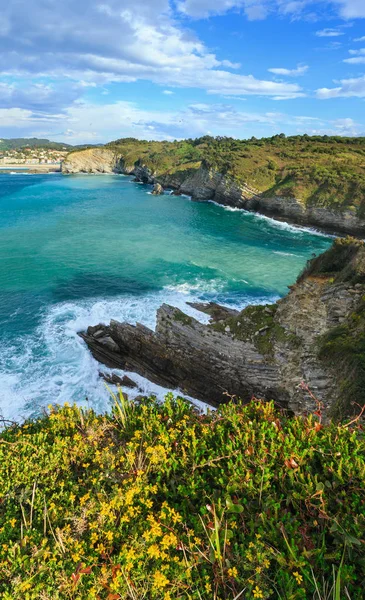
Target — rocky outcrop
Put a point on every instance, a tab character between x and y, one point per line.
92	160
186	354
272	351
204	184
157	189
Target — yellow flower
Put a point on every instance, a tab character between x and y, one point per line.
100	548
169	539
298	577
12	522
160	580
208	587
257	593
232	572
153	551
84	499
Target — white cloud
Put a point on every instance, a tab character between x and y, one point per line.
125	45
358	59
351	9
260	9
329	33
93	123
360	39
346	126
348	88
300	70
168	92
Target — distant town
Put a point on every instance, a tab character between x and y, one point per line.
32	156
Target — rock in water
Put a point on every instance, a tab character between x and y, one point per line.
157	189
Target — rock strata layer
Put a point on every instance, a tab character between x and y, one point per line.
270	352
204	184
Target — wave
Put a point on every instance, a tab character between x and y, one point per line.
274	222
285	253
54	366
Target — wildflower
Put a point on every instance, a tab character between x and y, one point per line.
100	548
168	540
153	551
232	572
257	593
12	522
160	580
84	499
298	577
208	587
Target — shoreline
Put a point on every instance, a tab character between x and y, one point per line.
170	191
143	175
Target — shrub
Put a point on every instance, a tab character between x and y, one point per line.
157	501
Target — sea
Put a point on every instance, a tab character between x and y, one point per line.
77	250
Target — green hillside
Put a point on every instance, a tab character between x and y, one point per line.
323	170
19	143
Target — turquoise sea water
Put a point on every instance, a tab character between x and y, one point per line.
77	250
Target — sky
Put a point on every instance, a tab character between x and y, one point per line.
90	71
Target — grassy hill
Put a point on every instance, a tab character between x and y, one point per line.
322	170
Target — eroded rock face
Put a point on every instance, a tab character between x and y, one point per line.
204	184
186	354
92	160
263	351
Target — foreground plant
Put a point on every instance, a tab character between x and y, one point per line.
157	501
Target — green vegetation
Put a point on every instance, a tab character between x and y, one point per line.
319	170
257	324
343	349
21	143
159	502
343	262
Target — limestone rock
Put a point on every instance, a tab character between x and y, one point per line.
157	189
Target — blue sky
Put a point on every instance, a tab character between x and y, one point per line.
92	71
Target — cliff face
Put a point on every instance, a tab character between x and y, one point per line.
266	351
204	184
91	160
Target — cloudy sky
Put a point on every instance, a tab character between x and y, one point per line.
92	71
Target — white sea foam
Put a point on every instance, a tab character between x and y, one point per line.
285	253
53	365
279	224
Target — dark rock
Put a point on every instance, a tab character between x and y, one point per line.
114	379
180	354
269	355
215	311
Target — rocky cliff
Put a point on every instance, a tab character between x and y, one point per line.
203	183
275	352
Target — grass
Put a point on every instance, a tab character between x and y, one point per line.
157	501
326	171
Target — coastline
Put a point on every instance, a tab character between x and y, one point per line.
204	185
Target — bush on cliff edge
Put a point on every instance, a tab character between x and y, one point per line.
158	502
